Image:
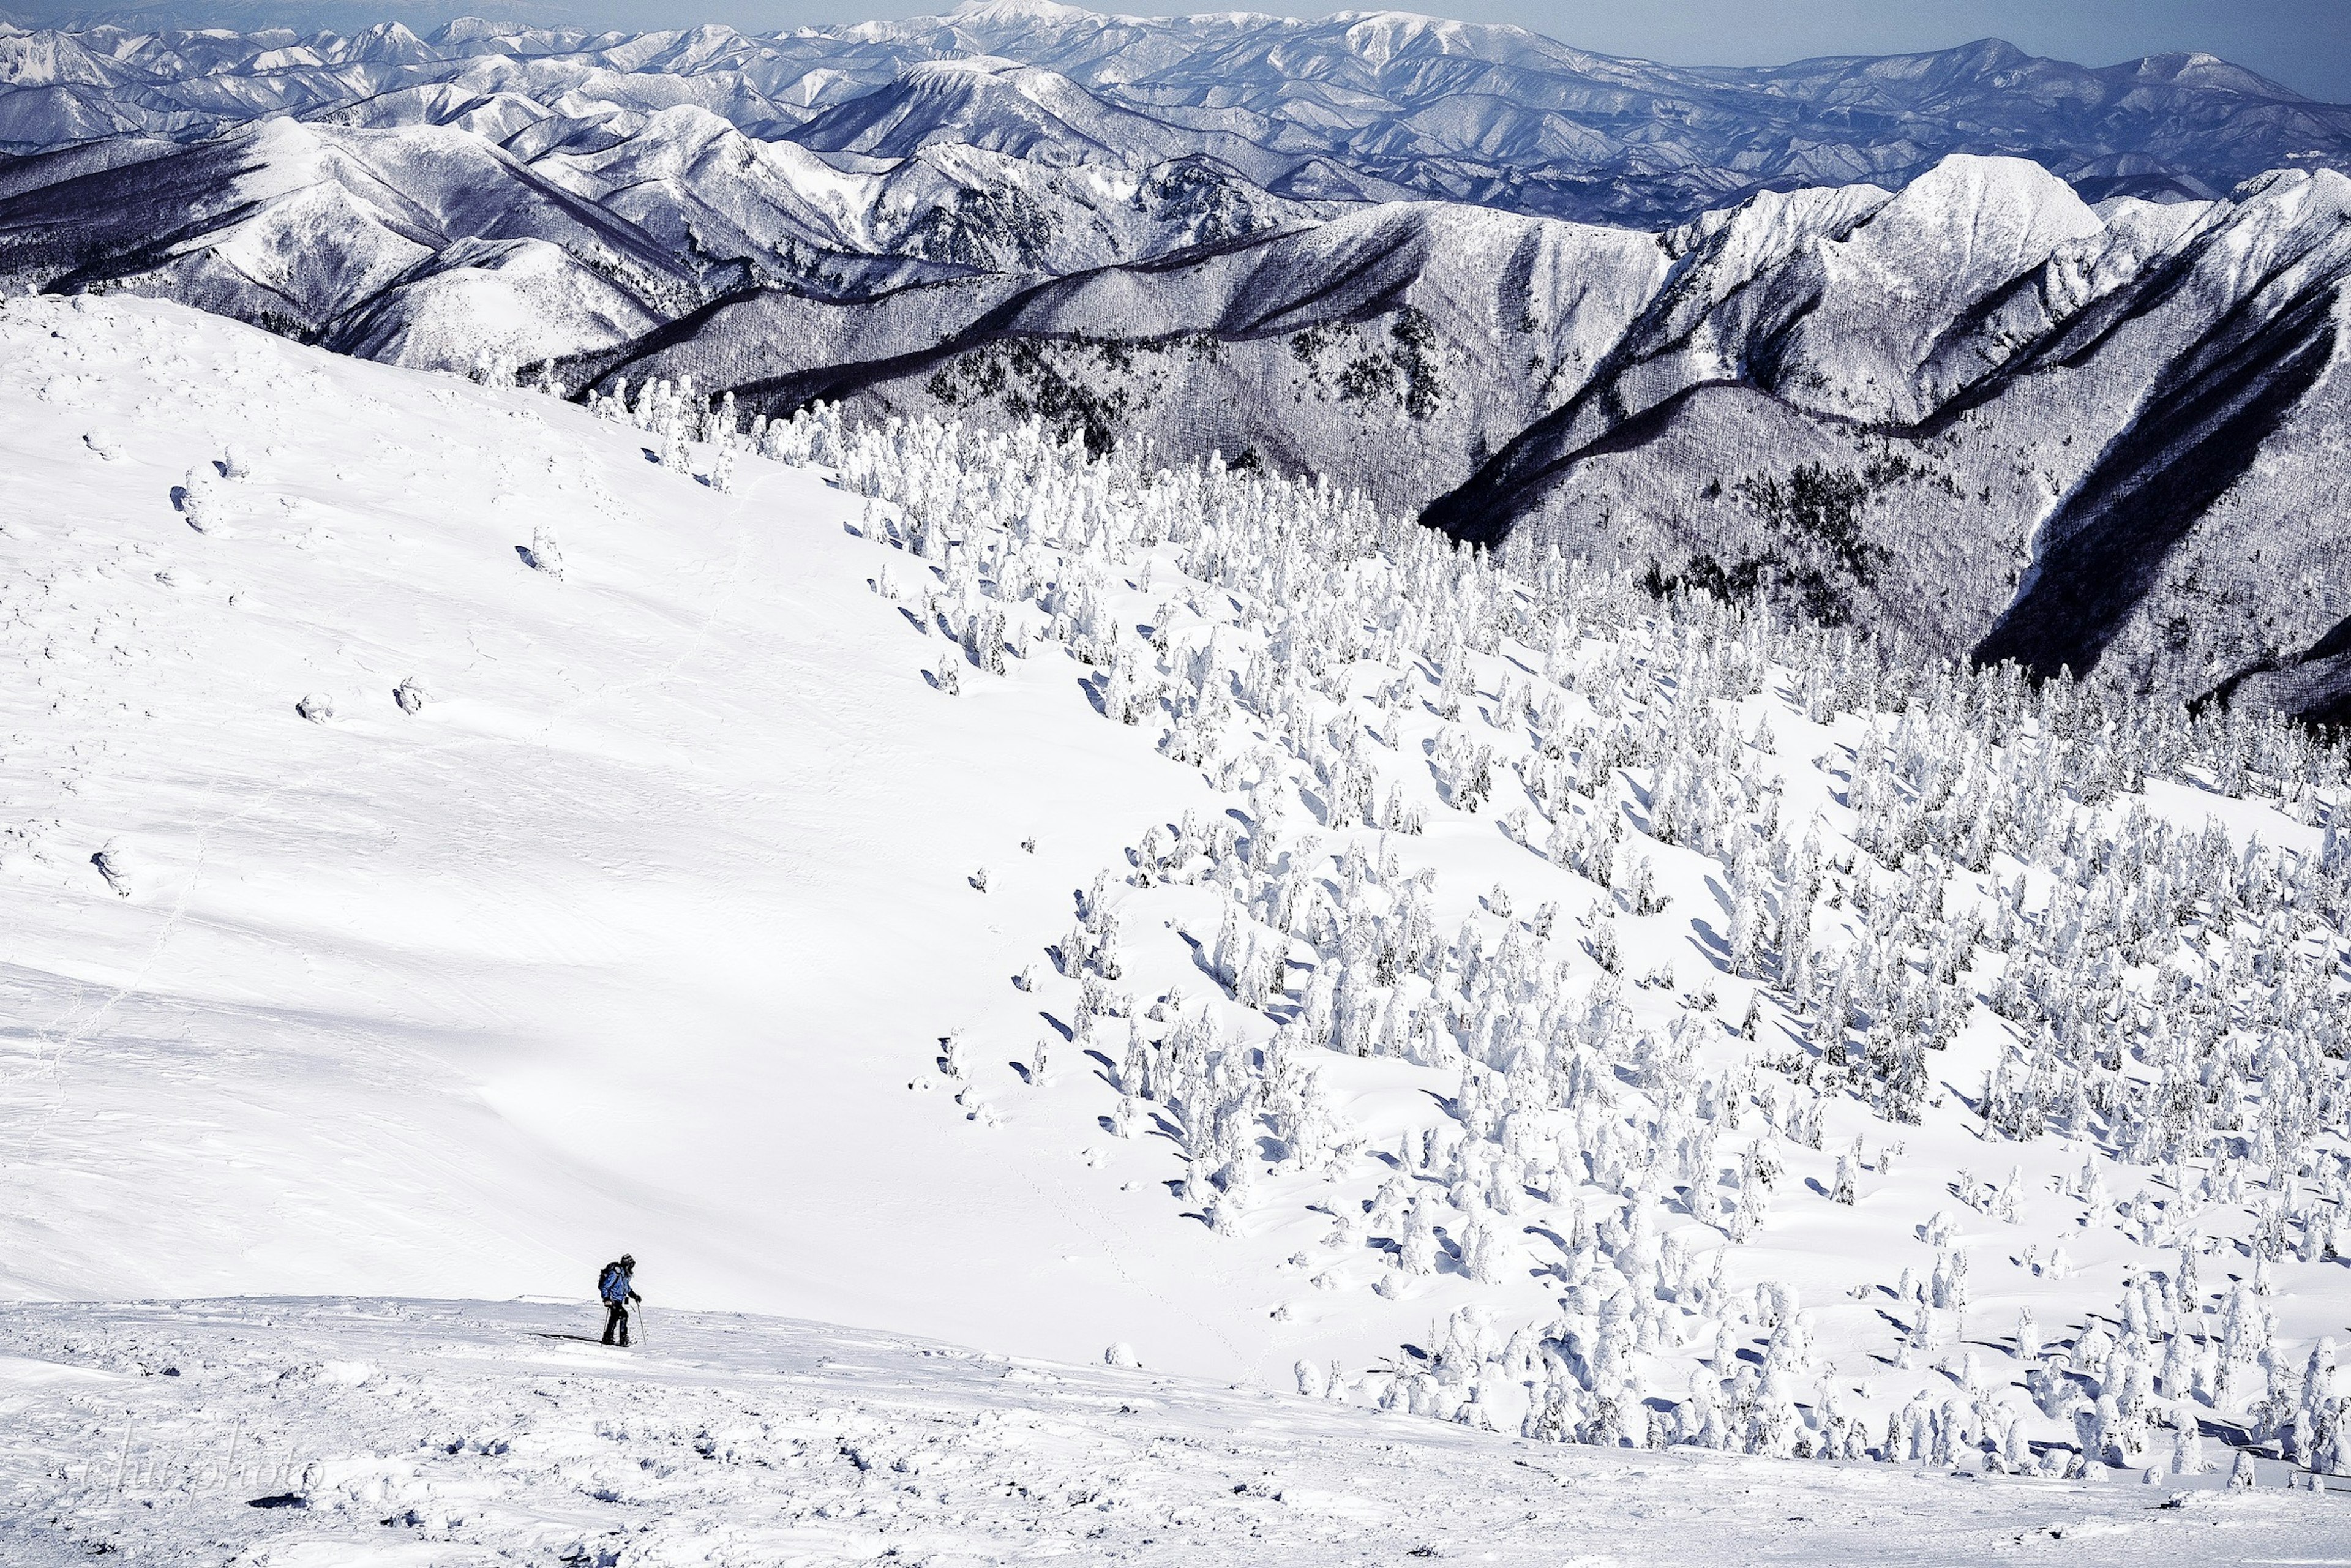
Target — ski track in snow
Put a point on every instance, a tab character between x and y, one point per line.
374	1433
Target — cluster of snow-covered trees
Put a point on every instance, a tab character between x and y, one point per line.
675	418
1738	900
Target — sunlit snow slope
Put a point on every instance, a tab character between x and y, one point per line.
458	836
633	936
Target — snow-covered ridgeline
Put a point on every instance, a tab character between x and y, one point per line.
1831	873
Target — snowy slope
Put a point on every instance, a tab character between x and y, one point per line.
404	1432
402	1000
1046	903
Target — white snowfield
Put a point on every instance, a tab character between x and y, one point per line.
633	935
390	1434
452	836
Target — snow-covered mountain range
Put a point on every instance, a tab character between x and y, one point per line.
1979	412
2003	355
1354	105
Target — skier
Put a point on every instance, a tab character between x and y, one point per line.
612	1285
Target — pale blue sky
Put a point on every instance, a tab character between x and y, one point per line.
2303	43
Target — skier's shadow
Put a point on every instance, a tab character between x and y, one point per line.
552	1333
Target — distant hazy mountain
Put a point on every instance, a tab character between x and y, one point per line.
1356	104
2012	355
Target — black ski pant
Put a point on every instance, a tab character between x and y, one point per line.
616	1317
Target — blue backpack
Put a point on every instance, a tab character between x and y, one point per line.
612	1284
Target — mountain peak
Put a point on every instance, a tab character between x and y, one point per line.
1022	11
2210	73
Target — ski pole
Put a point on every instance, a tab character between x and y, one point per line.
641	1326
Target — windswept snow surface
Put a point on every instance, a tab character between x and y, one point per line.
633	936
371	1433
1046	903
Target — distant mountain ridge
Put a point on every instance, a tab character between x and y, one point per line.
1384	102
